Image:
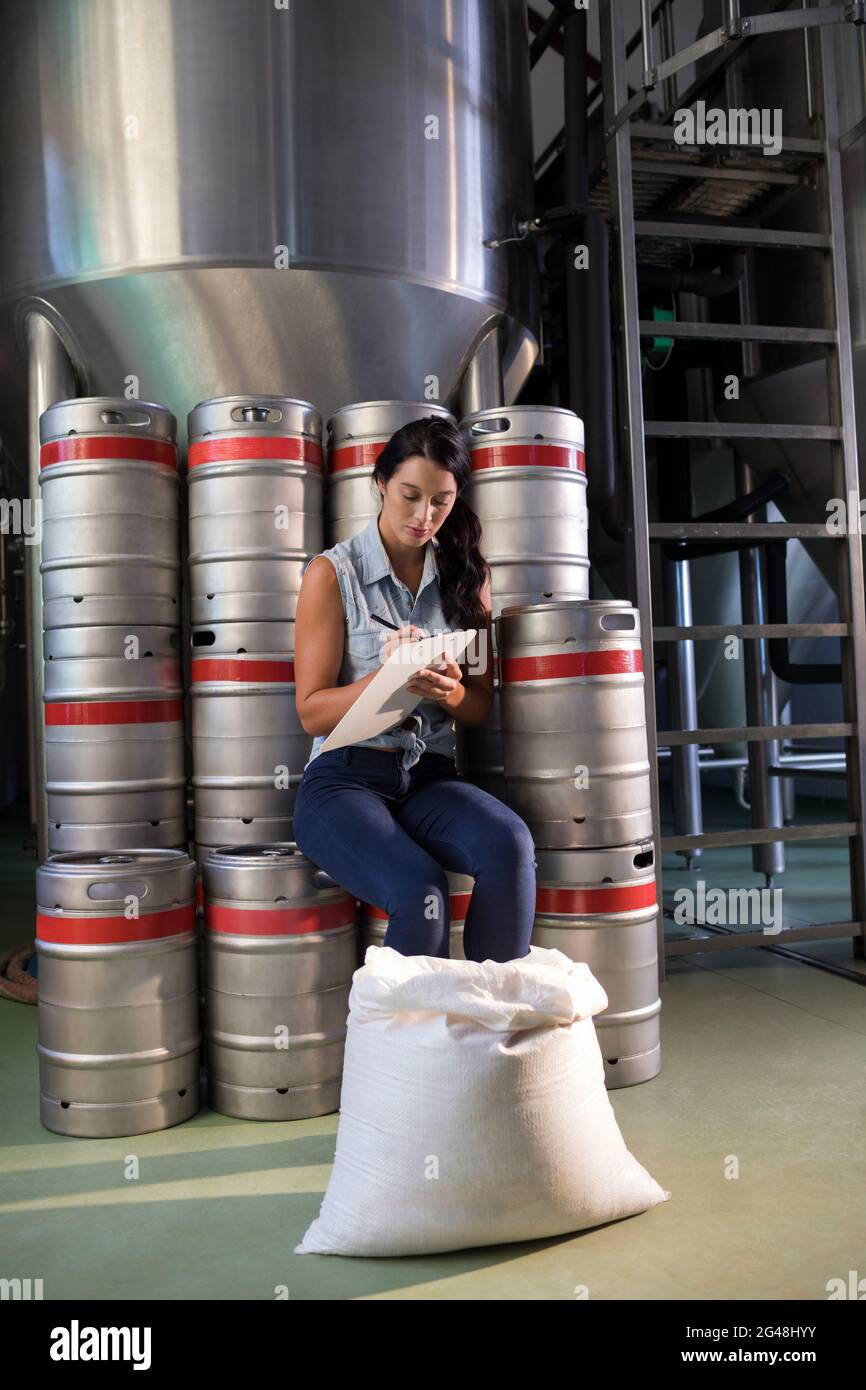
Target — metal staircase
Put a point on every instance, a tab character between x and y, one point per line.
640	154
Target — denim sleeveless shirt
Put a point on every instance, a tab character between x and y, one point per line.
369	585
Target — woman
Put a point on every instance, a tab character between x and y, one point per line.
386	817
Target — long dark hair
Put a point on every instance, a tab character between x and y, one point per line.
462	568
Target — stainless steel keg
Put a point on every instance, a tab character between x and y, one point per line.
574	722
357	434
249	745
255	506
110	544
114	739
118	992
528	489
280	954
600	906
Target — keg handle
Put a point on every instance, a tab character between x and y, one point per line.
502	424
137	419
617	622
257	414
117	892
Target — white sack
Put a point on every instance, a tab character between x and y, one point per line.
473	1109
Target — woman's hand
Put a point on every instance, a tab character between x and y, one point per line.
409	633
444	684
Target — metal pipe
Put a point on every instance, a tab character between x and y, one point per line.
764	795
574	40
684	279
670	86
789	788
807	64
682	686
595	364
771	712
5	624
482	387
50	378
576	192
632	445
750	351
774	717
587	291
732	13
646	40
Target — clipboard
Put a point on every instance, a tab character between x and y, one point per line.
386	701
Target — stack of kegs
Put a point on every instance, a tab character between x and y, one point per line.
255	519
577	772
111	614
280	952
529	491
118	992
357	435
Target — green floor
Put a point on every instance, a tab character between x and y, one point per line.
763	1060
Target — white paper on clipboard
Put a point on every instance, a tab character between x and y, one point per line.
386	701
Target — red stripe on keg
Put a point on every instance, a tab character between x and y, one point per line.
584	901
458	903
355	455
107	446
104	931
244	447
529	456
228	669
115	712
271	921
616	661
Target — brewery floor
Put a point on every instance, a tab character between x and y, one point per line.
762	1059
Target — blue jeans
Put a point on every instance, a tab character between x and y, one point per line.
387	835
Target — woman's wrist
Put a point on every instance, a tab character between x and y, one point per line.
454	699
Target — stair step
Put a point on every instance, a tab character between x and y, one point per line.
718	632
739	940
724	839
734	332
738	236
741	530
751	733
720	429
653	130
694	169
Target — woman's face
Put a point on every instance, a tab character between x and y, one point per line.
417	499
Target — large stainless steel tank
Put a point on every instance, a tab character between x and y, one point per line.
219	196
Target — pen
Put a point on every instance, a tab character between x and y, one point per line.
384	622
